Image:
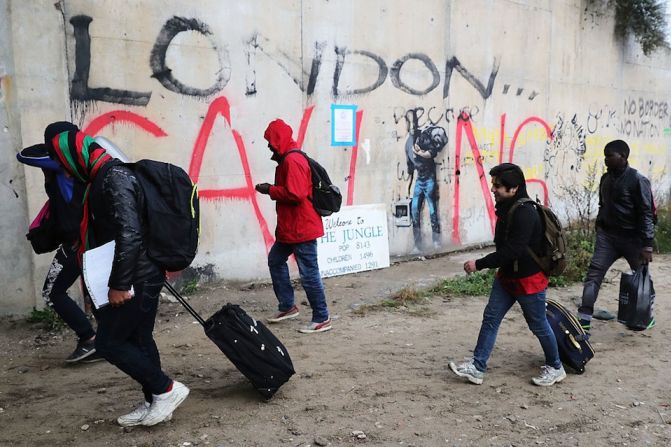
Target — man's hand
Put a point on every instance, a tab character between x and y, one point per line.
263	188
118	297
469	266
646	255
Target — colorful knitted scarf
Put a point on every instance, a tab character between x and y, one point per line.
82	158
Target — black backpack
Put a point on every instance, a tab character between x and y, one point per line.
173	213
553	260
326	197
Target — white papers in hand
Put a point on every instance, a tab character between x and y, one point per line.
96	270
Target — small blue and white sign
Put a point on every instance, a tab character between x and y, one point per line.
343	125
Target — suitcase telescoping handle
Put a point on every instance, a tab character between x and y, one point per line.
183	302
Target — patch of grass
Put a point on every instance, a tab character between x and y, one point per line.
475	284
190	286
47	318
558	281
407	297
663	230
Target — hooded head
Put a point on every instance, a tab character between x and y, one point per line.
279	137
75	151
82	158
54	129
38	155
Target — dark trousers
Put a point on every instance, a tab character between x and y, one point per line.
125	337
608	248
62	273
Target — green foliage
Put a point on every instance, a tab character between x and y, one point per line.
475	284
644	19
663	229
558	281
190	286
580	249
46	317
581	198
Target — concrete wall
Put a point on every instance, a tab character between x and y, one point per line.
541	83
16	293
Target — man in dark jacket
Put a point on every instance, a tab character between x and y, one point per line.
625	224
518	279
114	207
65	197
298	227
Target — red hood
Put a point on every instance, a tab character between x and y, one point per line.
278	134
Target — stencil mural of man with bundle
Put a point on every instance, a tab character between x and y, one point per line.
421	149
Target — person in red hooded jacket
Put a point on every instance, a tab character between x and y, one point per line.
298	227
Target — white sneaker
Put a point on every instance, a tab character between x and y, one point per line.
549	376
164	404
468	370
136	416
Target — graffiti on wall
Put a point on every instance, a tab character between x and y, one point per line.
450	171
561	144
638	117
421	149
220	108
567	146
256	43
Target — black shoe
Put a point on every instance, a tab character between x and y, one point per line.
83	350
95	357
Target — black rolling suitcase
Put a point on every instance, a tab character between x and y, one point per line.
248	344
575	349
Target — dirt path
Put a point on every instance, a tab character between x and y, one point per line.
383	373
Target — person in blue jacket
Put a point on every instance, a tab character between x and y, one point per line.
65	205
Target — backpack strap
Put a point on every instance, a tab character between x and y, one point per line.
292	151
509	218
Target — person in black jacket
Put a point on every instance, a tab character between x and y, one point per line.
114	209
625	224
518	279
65	196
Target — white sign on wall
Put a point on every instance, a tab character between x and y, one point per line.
355	239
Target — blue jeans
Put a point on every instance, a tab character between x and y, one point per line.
125	337
306	257
533	308
425	188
